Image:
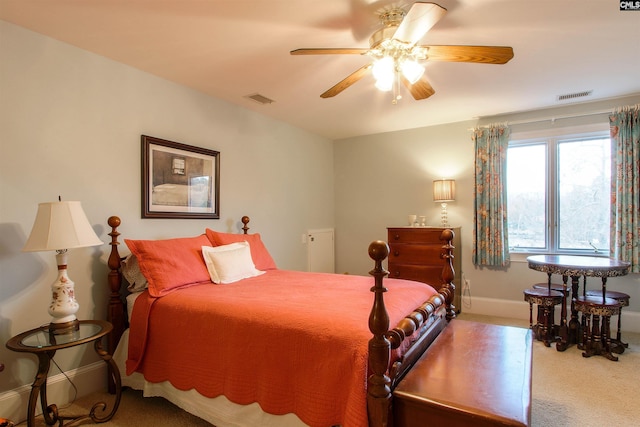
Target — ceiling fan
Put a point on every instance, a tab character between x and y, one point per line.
397	57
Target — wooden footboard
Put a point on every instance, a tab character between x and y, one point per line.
429	319
422	325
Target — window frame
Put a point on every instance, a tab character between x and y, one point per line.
550	138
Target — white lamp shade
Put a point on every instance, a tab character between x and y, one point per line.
384	72
412	70
60	225
383	68
385	85
444	190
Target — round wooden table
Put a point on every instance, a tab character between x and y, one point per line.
575	266
44	343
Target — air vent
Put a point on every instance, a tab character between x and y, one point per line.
575	95
260	99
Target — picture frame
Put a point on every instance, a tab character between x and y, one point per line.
179	180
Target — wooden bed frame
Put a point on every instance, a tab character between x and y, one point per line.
429	320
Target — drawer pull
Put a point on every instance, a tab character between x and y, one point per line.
396	236
396	253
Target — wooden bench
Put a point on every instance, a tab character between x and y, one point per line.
473	374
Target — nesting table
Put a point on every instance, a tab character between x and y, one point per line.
576	266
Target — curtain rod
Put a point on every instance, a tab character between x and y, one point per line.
552	118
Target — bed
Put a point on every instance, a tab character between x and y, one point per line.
223	333
193	195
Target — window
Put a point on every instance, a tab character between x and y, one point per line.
178	166
558	193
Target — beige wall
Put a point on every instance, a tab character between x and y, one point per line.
70	125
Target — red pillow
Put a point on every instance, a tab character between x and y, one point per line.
172	263
259	253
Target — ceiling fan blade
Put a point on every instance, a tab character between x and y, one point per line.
346	82
419	90
480	54
330	51
420	18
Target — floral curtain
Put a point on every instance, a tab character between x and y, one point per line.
625	185
490	241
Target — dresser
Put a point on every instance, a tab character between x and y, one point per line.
414	254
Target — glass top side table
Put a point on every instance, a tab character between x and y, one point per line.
42	343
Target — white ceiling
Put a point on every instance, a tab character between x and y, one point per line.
234	48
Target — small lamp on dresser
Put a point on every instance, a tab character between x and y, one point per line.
444	191
60	226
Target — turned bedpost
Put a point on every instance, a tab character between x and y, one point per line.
245	227
379	384
448	288
115	310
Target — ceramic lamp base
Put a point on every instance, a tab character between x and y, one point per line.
63	305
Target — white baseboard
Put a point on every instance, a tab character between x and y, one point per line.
520	310
87	379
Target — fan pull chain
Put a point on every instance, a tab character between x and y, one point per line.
396	89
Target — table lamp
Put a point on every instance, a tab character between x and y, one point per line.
444	190
60	226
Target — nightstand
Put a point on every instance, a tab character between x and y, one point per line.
44	345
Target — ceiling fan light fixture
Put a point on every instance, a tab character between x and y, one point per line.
411	70
397	41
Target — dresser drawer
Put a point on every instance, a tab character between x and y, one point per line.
429	274
415	235
415	254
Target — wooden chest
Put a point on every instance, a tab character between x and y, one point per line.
473	374
414	254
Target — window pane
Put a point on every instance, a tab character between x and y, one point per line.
526	195
584	187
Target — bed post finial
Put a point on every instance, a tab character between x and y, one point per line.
115	309
448	288
379	384
245	221
114	257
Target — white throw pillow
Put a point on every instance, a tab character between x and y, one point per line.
229	263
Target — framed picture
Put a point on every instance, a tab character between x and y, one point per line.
179	181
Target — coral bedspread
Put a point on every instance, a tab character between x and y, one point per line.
291	341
